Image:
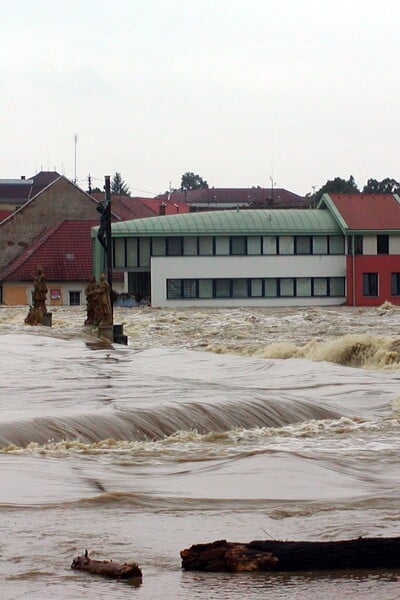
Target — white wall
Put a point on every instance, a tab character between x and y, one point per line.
394	244
194	267
369	245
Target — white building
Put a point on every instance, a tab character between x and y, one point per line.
232	258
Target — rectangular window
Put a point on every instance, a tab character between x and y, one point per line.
205	288
303	286
382	244
222	288
286	286
174	289
320	244
119	252
286	244
238	245
358	244
336	286
256	288
206	246
132	252
370	284
158	246
74	298
254	245
144	252
269	244
240	288
174	246
303	244
189	288
271	288
190	246
336	244
395	284
222	245
320	286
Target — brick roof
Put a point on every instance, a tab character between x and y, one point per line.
371	212
171	207
127	207
64	251
251	197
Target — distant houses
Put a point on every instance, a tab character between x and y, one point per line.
207	247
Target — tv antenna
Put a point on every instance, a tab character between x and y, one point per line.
75	144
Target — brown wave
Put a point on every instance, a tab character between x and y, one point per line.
155	424
355	350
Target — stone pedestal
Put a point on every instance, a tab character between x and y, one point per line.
47	319
114	333
118	335
106	331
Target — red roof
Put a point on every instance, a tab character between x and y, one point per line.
126	208
64	251
4	214
368	211
171	207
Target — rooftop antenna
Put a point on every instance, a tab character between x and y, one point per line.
75	144
272	187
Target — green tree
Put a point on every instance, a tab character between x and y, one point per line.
118	186
386	186
336	186
190	181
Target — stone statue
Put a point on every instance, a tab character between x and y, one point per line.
39	309
103	314
90	292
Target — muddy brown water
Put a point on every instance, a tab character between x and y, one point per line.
237	424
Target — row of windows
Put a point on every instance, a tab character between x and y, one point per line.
382	244
272	287
136	252
371	284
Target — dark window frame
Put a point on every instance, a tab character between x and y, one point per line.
370	285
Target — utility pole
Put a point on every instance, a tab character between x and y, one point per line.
109	252
89	184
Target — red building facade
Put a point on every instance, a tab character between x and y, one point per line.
371	225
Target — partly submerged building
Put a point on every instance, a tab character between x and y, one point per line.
233	258
345	251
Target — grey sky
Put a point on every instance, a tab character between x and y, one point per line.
235	90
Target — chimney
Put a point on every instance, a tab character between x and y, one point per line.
162	209
22	176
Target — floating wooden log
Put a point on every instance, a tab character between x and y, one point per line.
108	568
270	555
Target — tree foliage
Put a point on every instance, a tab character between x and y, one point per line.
118	186
336	186
190	181
386	186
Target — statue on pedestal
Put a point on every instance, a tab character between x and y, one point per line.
90	292
98	297
39	309
103	313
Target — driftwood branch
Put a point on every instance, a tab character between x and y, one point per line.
108	568
360	553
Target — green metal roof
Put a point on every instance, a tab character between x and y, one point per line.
232	222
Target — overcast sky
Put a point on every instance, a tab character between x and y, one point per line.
238	91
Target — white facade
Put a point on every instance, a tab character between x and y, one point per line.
217	267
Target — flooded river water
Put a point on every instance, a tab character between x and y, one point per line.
233	423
